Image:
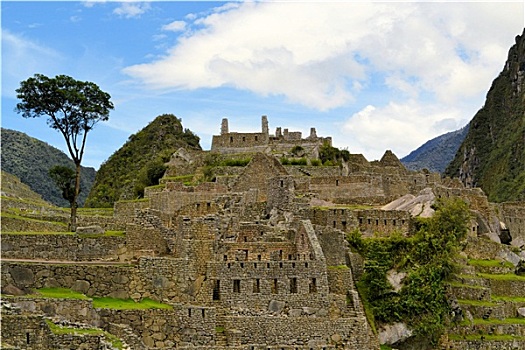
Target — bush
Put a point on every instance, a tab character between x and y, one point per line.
422	301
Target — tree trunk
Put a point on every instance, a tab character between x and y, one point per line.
73	224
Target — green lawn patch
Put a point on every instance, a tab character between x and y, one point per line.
18	217
95	211
477	302
489	263
487	337
63	293
56	329
128	304
508	299
496	321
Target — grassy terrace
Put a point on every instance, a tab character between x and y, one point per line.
489	263
485	337
99	302
106	234
494	321
508	299
463	285
19	217
502	277
346	206
56	329
477	302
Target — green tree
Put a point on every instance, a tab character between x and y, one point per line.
73	108
64	179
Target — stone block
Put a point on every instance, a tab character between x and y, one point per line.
22	276
276	306
93	229
12	290
81	286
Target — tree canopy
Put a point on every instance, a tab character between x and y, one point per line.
73	108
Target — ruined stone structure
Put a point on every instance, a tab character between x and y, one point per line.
281	142
256	259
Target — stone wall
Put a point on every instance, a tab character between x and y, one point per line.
100	280
22	224
62	247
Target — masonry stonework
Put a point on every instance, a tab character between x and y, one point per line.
254	259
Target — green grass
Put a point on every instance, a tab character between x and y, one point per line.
56	329
477	302
489	263
62	293
502	277
508	299
13	216
128	304
487	337
491	321
219	329
100	302
385	347
95	211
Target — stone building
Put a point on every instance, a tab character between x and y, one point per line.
283	141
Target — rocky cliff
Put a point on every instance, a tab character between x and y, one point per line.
492	156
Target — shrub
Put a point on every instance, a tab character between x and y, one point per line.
422	301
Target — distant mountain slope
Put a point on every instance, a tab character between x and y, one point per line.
140	161
30	160
437	153
12	187
493	154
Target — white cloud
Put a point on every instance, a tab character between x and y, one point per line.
400	127
36	58
319	55
175	26
132	9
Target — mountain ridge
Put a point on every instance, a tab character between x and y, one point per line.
492	156
30	159
437	153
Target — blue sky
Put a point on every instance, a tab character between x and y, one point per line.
373	75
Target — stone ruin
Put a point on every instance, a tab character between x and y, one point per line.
256	259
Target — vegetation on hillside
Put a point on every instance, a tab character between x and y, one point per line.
140	161
30	160
493	154
330	155
427	260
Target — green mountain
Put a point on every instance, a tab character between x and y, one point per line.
140	161
30	160
492	156
437	153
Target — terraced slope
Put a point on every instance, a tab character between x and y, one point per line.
490	310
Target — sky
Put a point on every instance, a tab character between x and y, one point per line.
374	76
